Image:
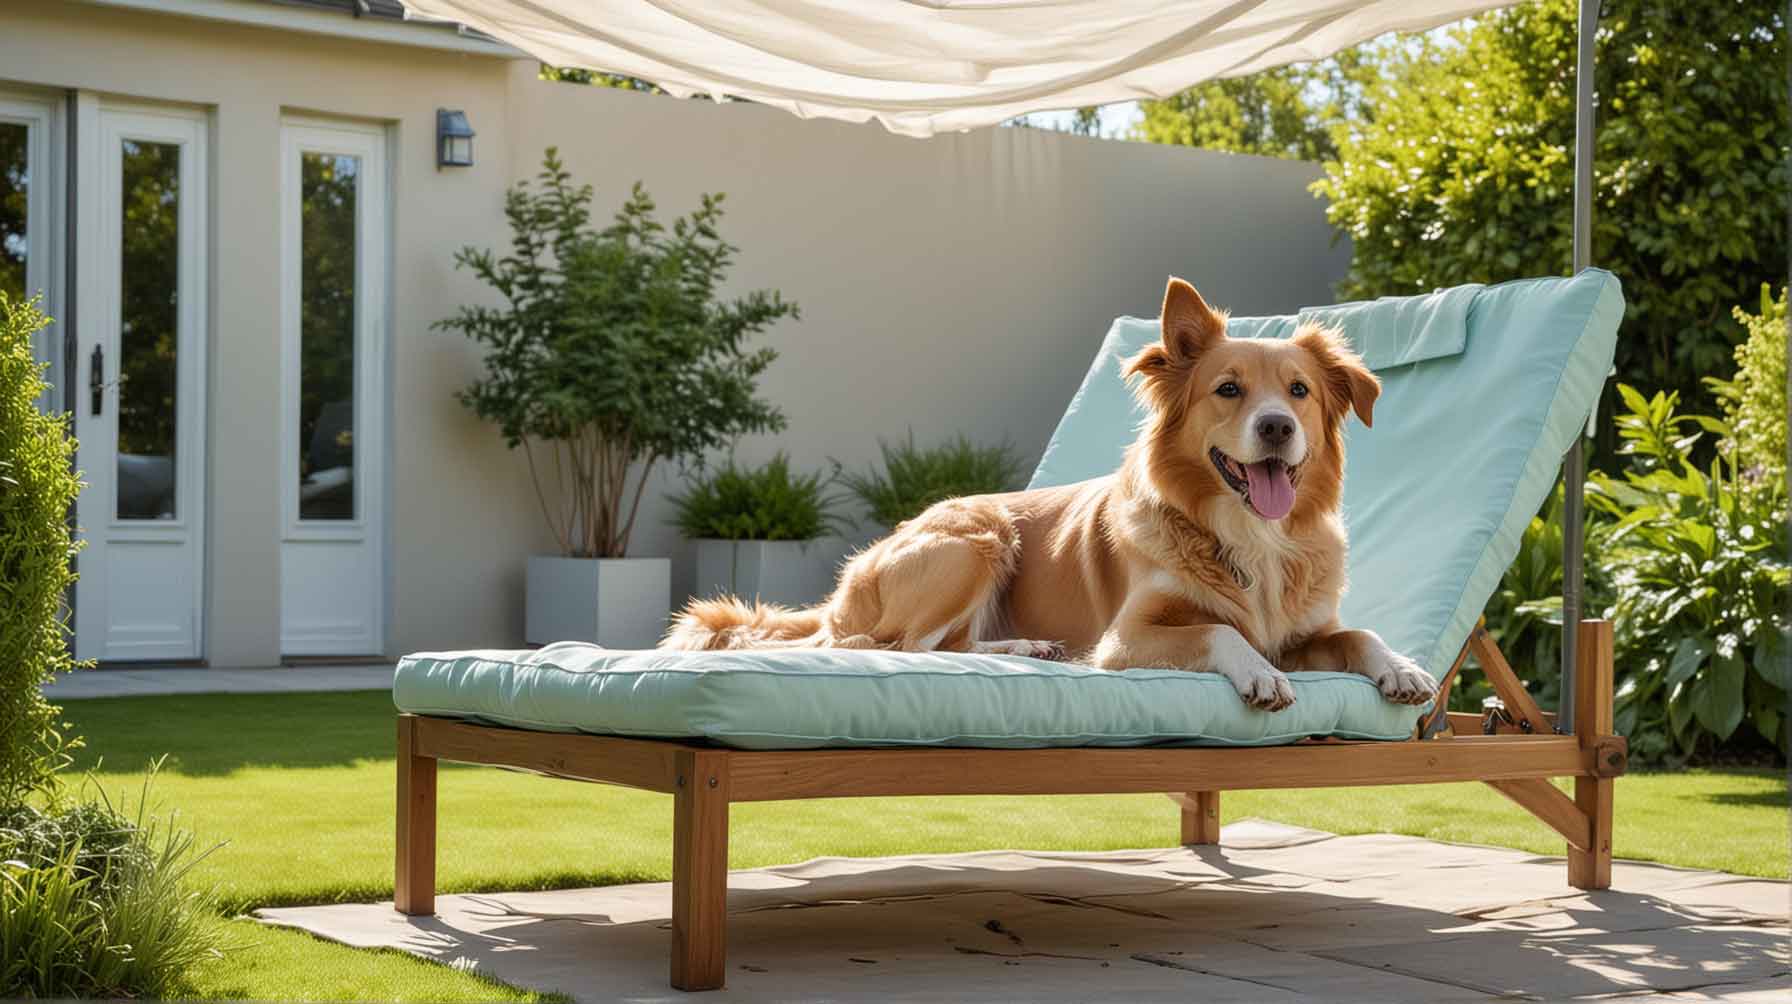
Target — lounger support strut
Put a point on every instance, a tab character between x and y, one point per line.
1519	702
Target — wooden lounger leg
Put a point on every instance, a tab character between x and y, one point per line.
414	882
1200	817
700	872
1592	868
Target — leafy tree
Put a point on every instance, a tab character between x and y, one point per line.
1294	111
1465	172
613	350
1085	121
598	78
1754	402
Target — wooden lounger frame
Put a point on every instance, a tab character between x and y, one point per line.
1524	751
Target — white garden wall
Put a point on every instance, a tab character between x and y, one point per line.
958	284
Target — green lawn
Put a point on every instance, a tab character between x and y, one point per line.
300	788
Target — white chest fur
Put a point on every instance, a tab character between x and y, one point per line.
1260	553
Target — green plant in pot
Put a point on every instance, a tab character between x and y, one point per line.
763	533
611	354
915	477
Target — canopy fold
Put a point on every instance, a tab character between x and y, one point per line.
925	66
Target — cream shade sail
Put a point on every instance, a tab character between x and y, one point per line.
926	66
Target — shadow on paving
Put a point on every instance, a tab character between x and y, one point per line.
1279	914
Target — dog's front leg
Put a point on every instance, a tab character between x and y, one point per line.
1205	648
1364	653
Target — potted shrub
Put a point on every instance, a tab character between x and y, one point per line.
610	354
916	477
759	532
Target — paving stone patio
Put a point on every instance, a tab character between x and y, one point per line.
1276	913
152	681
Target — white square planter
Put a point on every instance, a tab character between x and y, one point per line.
619	603
796	573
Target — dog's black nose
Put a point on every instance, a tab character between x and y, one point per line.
1275	428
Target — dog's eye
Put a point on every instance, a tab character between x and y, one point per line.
1298	389
1229	389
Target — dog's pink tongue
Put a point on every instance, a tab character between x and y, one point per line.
1272	494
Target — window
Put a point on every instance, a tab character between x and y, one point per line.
329	185
15	194
148	328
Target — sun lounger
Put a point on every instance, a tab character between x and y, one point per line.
1484	389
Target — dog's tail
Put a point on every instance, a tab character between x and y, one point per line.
726	622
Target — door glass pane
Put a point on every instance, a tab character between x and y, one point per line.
15	181
148	329
327	251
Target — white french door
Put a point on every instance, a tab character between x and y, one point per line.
140	283
332	330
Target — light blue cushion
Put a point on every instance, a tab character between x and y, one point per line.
822	697
1483	390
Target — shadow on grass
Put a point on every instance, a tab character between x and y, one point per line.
208	735
1770	798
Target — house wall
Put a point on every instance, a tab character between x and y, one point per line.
958	284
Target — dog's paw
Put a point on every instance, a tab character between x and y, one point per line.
1051	650
1266	689
1031	648
1403	682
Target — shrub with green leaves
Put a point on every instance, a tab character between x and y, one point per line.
37	492
1697	561
1754	400
94	902
1525	615
1457	167
770	502
916	477
612	351
1689	563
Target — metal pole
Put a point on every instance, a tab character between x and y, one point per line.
1575	472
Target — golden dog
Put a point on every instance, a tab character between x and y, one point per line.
1217	547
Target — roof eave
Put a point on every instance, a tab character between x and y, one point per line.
322	21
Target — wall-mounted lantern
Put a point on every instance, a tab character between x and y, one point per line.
454	139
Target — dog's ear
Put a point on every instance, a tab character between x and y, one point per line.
1190	328
1349	385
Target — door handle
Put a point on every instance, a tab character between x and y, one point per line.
96	379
